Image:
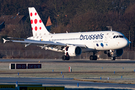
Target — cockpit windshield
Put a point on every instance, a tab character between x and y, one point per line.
118	36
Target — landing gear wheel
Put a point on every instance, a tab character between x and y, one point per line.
65	57
93	57
105	52
109	55
113	58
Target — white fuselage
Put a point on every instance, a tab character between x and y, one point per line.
73	44
98	40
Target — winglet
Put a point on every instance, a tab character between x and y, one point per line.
4	40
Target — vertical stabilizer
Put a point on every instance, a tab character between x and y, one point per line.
38	28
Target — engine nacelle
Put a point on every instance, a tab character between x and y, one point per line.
114	53
73	51
118	52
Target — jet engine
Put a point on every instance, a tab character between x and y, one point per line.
73	51
114	53
118	52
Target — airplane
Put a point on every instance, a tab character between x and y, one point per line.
73	44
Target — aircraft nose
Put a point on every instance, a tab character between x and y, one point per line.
129	42
123	43
126	42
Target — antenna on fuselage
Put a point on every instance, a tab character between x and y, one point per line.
109	28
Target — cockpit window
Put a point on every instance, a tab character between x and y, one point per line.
121	36
118	36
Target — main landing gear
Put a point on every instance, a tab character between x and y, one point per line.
93	57
65	57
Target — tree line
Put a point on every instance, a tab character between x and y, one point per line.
75	15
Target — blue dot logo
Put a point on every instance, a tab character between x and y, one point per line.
102	44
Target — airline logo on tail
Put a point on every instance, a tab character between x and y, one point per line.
38	28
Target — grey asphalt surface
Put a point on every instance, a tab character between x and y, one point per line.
61	61
63	81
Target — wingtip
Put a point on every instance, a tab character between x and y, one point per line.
4	40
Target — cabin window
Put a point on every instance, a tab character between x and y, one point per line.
118	36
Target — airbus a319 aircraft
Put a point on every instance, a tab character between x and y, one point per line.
73	44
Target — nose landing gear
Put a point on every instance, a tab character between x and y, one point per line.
111	54
113	58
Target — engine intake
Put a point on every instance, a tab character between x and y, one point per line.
73	50
119	52
115	53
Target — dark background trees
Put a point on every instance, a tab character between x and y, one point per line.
74	16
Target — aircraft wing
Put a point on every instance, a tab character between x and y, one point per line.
28	42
